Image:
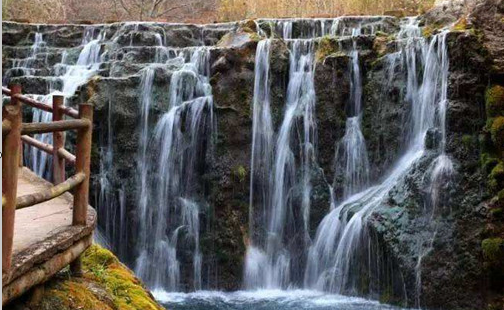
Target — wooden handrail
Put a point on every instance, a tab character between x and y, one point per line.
58	142
42	106
70	111
82	164
50	193
38	144
49	149
6	91
10	164
6	127
67	156
34	103
15	132
34	128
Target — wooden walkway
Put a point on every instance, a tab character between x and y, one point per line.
44	227
45	240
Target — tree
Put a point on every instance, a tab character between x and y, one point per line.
153	9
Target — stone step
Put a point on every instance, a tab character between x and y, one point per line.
341	26
18	34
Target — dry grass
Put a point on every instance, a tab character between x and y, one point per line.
239	9
197	11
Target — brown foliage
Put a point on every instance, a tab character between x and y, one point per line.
197	11
109	10
240	9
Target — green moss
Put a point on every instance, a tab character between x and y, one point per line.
497	132
72	295
428	31
494	98
120	282
97	256
493	249
468	141
106	284
500	196
240	173
496	213
326	47
498	170
488	162
252	34
461	25
496	177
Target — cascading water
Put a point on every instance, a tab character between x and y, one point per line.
72	76
260	166
271	257
25	66
170	196
351	159
342	253
180	141
110	200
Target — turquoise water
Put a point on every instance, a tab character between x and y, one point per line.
265	300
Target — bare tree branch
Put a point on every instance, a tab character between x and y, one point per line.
172	9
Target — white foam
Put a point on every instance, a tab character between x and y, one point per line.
307	299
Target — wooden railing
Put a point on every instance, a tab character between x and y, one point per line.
15	133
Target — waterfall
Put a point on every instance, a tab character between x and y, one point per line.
87	64
262	148
351	159
169	167
272	256
38	160
25	66
168	240
342	248
110	200
72	77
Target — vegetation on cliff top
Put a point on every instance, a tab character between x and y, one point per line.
198	11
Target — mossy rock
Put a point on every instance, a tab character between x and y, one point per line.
496	213
496	177
249	25
240	173
461	25
468	141
493	249
428	31
106	284
326	46
497	132
494	98
488	161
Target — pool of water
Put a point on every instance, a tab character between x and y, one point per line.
265	300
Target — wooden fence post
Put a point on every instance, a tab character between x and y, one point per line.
21	155
10	164
82	164
58	142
